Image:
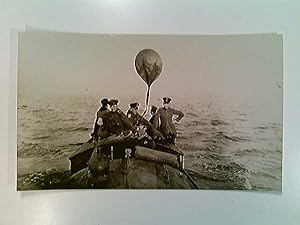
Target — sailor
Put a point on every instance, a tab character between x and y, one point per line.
118	120
153	113
143	125
134	116
101	126
164	120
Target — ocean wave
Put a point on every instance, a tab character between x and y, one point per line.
267	174
262	127
38	110
190	114
236	138
240	119
48	179
31	149
41	150
194	123
222	176
218	122
247	152
195	134
199	133
269	126
43	137
221	135
80	129
69	119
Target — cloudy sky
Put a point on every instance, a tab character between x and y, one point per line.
235	66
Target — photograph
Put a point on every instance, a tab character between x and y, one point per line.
112	111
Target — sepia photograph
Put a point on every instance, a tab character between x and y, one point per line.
98	111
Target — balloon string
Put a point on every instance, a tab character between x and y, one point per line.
147	101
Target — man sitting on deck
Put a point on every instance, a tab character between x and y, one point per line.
118	122
143	125
134	116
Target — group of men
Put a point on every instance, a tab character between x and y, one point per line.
110	120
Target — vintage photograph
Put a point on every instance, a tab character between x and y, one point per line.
99	111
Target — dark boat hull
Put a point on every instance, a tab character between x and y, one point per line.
144	168
133	174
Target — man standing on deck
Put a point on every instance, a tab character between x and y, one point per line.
164	120
101	123
118	122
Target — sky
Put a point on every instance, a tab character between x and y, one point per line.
245	67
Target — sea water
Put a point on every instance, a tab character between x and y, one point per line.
227	145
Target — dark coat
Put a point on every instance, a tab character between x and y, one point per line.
101	113
102	130
151	120
137	119
118	122
163	120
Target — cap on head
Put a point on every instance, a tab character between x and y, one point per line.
104	101
153	109
134	105
166	100
113	102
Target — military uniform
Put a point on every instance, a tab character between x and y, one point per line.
101	126
103	122
118	122
163	122
153	112
151	120
137	119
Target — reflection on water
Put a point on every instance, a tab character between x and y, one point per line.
226	146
